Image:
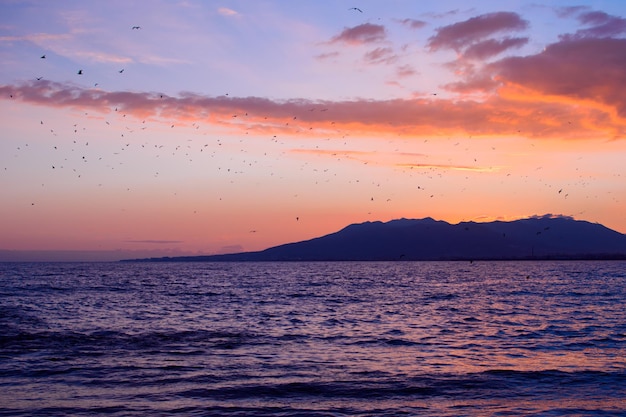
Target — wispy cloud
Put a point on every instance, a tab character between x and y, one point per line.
225	11
412	23
383	55
158	242
405	71
569	11
102	57
333	152
373	157
65	44
365	156
361	34
328	55
450	167
36	38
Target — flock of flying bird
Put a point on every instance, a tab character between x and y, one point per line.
76	155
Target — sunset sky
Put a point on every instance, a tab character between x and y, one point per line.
139	128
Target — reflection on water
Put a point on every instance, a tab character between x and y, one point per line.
428	338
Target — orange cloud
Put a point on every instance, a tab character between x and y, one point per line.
516	109
450	167
585	69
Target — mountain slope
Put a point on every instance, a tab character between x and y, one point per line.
546	237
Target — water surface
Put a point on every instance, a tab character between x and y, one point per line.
326	339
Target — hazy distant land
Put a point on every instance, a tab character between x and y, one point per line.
540	237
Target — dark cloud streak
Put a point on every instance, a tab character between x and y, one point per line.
490	47
602	25
463	34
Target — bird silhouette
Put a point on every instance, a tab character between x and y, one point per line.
80	72
43	56
136	27
356	8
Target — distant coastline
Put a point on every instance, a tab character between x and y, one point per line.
219	258
537	238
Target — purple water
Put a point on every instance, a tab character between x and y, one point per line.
313	339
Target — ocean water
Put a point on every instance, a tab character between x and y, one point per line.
313	339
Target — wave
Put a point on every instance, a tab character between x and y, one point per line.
16	343
489	384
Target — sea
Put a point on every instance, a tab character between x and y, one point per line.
545	338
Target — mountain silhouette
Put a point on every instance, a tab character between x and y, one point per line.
539	237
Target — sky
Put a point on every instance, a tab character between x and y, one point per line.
164	128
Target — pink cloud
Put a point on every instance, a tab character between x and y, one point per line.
361	34
462	34
225	11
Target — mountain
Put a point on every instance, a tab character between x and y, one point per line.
540	237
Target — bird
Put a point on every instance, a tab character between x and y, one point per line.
121	71
356	8
39	78
136	27
80	72
43	56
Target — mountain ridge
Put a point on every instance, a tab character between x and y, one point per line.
427	239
